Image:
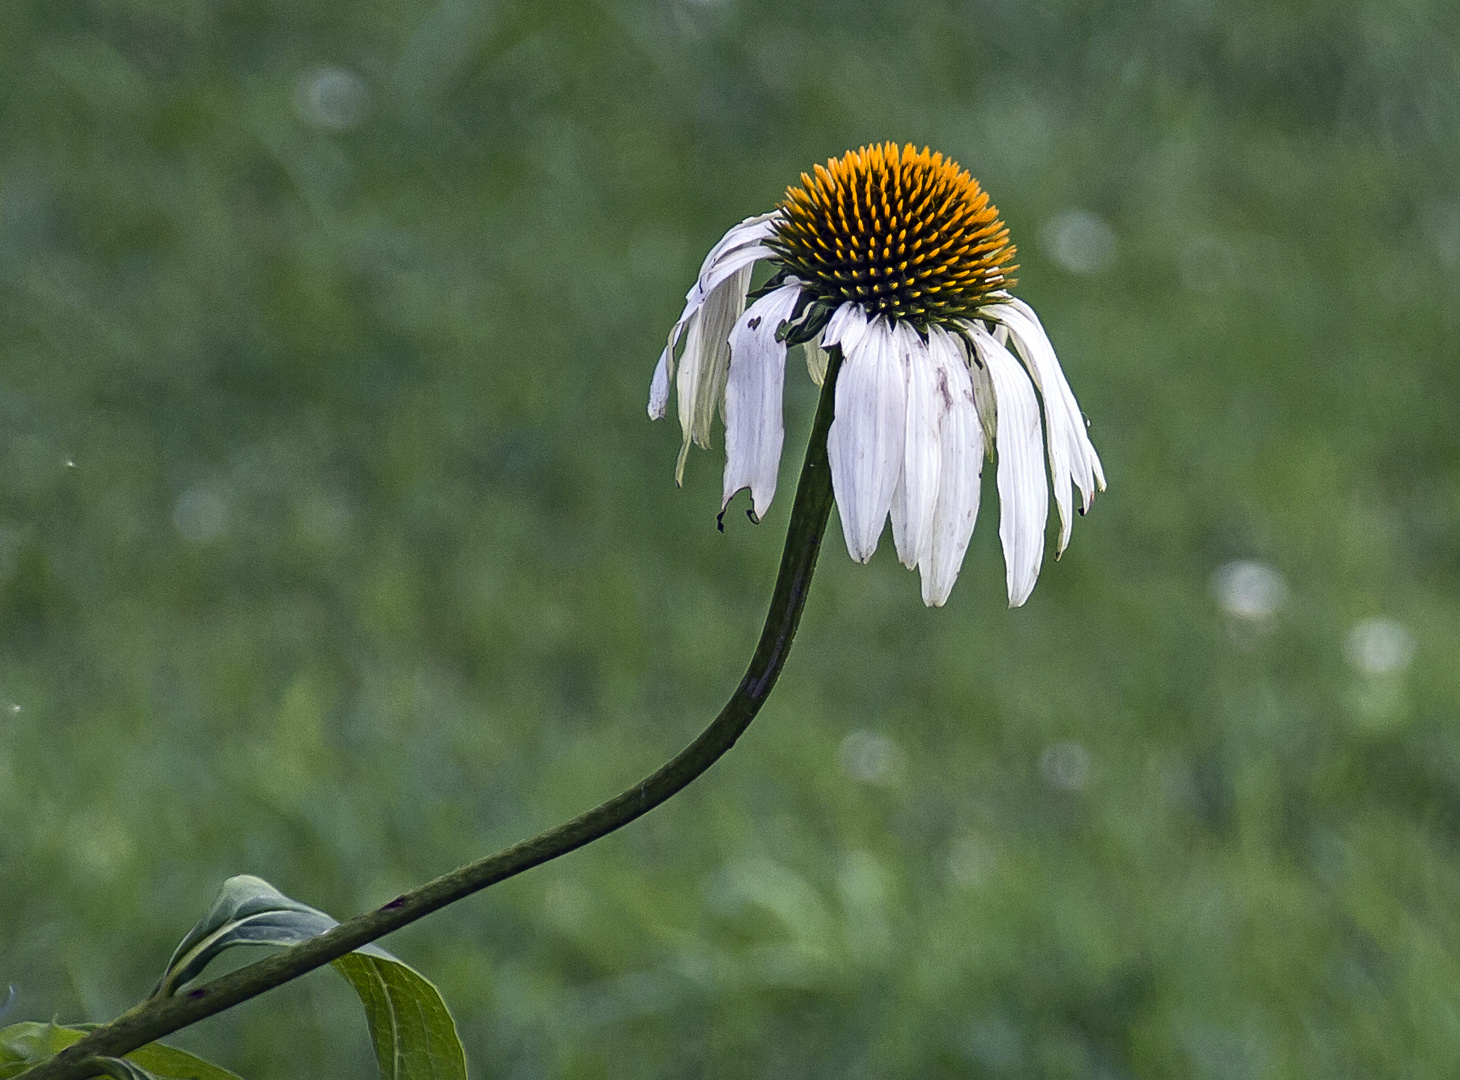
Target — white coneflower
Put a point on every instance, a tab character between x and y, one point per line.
898	258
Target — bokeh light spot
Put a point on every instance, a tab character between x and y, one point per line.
201	515
1065	766
332	98
1379	646
1249	590
1080	241
871	757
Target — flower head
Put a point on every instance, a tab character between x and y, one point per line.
907	235
897	259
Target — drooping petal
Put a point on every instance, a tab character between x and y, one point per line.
659	387
865	441
753	425
961	447
717	319
749	233
916	495
1056	416
1038	338
733	261
1072	457
687	386
728	255
705	363
1023	490
736	250
983	389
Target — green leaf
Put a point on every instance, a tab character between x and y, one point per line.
23	1045
246	911
122	1069
415	1037
169	1062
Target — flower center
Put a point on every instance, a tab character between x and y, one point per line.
906	234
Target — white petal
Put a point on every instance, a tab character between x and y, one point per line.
717	318
1062	412
753	426
687	386
865	442
1023	490
1079	426
705	363
916	496
730	263
737	250
748	233
961	446
1029	340
983	390
1060	435
659	387
845	328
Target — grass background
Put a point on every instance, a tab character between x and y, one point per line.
335	546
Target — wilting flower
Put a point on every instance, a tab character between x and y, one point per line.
898	258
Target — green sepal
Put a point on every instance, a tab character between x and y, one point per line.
774	282
807	320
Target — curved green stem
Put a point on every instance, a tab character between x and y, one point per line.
157	1017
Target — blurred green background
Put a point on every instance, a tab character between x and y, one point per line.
336	547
